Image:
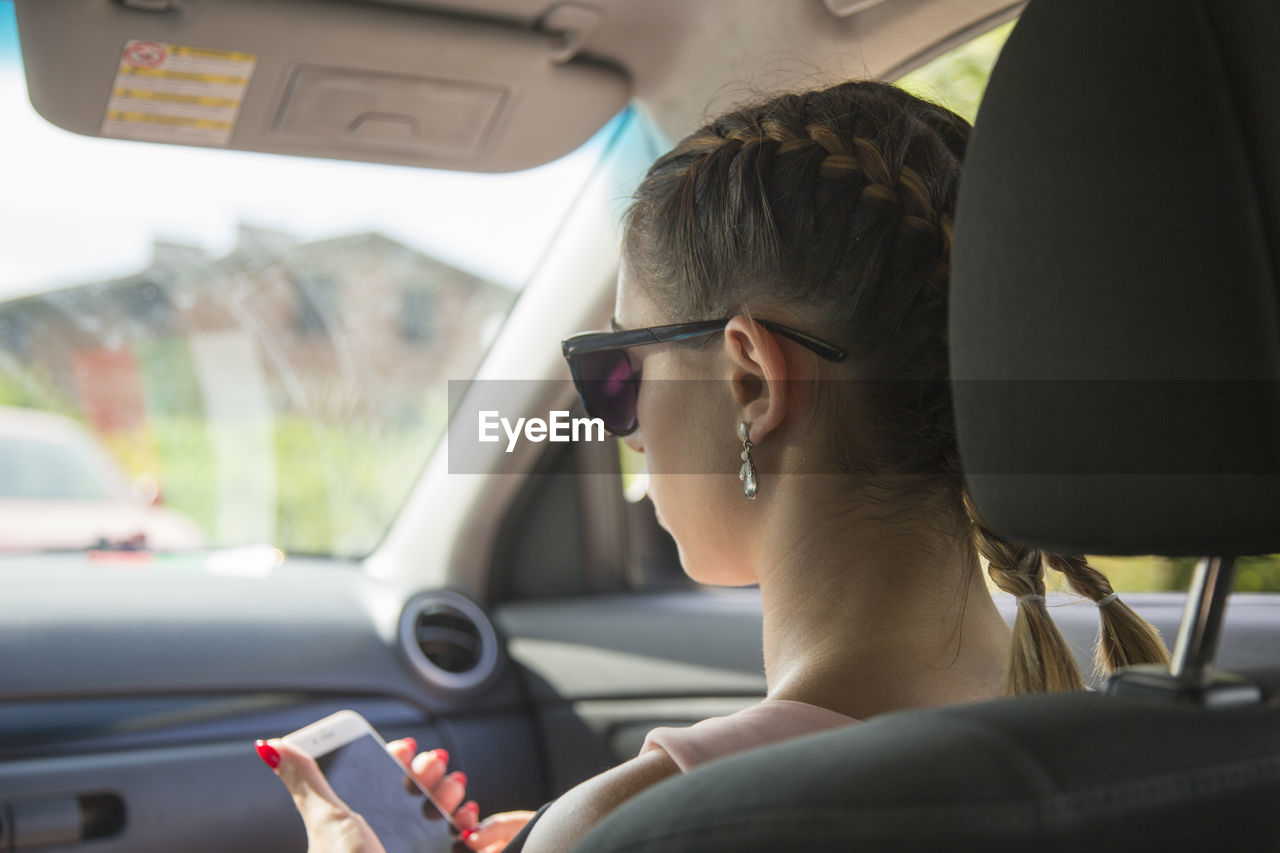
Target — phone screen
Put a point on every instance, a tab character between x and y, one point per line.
374	784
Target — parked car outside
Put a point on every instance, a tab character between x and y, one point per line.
61	490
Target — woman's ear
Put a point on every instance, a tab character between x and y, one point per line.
758	375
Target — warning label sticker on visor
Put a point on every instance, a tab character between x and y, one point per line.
171	93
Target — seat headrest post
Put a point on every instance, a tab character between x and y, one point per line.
1197	645
1190	677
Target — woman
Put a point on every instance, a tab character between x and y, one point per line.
792	257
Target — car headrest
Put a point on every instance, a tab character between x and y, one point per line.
1114	325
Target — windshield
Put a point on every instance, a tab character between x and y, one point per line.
250	349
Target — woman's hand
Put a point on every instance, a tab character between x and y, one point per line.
449	789
492	834
332	826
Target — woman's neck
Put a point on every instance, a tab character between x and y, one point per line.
865	616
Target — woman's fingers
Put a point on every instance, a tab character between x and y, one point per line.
402	750
430	767
301	775
448	789
467	815
495	831
332	827
430	770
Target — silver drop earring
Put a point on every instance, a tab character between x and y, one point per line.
747	474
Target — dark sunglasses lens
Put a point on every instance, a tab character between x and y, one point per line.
608	388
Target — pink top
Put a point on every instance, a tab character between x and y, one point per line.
767	722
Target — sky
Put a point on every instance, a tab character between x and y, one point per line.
75	209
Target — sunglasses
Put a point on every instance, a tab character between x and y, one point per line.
609	386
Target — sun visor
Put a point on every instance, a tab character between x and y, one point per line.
355	81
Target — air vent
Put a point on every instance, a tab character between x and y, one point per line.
449	640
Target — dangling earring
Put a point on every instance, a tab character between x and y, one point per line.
747	474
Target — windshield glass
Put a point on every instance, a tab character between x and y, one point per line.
231	348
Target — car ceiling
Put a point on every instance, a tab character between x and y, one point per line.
689	58
548	74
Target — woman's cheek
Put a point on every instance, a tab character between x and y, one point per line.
712	551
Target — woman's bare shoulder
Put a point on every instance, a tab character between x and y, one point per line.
584	806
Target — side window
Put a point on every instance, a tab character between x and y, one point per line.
581	526
542	554
956	79
654	561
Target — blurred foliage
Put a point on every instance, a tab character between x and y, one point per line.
958	78
23	391
1152	573
341	485
169	377
338	485
632	464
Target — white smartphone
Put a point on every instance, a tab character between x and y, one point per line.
355	760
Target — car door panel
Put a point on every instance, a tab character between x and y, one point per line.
140	690
604	670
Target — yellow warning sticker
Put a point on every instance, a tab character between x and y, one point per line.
172	93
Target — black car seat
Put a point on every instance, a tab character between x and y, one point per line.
1116	351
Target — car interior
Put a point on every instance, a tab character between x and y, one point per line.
520	606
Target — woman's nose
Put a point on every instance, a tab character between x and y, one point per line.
634	442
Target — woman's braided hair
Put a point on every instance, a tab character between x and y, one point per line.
837	205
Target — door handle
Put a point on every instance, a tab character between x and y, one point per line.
29	824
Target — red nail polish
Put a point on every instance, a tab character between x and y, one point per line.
467	834
413	744
443	755
268	753
461	778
